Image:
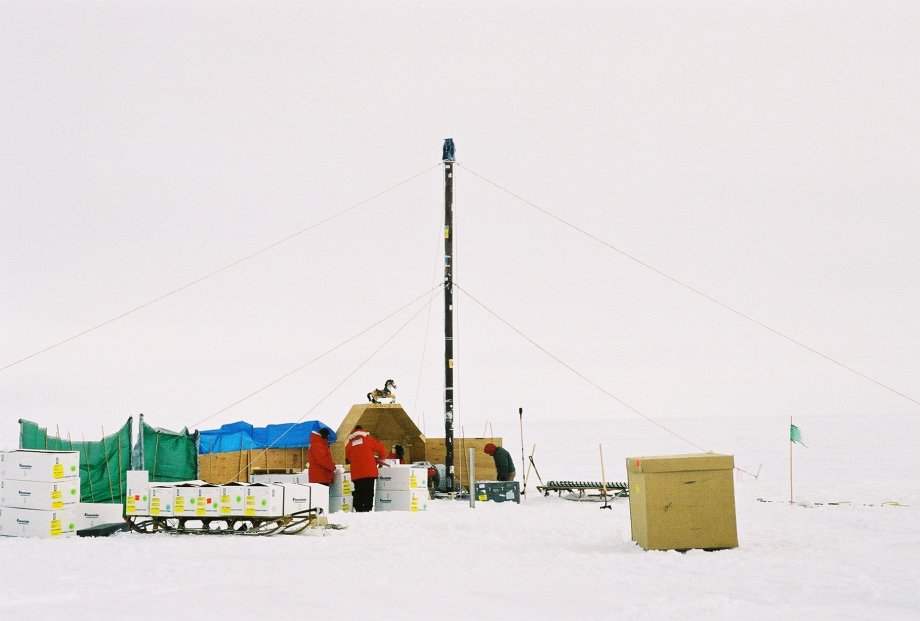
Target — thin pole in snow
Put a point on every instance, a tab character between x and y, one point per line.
521	421
790	460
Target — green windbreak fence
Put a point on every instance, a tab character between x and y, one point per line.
102	463
166	455
169	455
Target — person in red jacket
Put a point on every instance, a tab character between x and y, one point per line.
319	458
360	453
399	453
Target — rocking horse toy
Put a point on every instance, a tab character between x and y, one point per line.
376	394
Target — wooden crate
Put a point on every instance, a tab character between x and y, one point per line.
436	450
237	466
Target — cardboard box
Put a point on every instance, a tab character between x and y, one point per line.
263	499
498	491
233	498
401	500
43	495
89	514
319	498
29	465
402	477
299	478
679	502
16	522
341	483
340	503
162	500
296	498
193	500
137	501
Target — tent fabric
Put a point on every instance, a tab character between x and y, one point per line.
170	455
103	463
241	436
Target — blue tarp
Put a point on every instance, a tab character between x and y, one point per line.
241	436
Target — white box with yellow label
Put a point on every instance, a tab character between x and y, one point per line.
341	483
162	500
263	499
43	495
402	477
233	498
340	503
401	500
197	501
29	465
137	501
89	514
16	522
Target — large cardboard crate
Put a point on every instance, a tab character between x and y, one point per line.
45	495
16	522
197	500
341	483
233	498
300	478
89	514
263	500
33	465
340	503
162	500
679	502
137	501
402	477
401	500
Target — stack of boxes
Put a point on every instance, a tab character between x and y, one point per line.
402	488
340	491
298	490
39	492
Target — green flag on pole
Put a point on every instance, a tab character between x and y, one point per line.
795	435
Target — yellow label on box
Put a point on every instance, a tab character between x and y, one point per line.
199	511
225	509
346	488
250	511
55	528
57	494
225	499
58	471
483	497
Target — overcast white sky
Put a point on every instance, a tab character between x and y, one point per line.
766	153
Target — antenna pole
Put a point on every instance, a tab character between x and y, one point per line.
448	159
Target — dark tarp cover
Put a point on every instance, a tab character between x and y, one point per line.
102	463
242	436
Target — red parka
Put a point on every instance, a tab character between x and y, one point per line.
320	459
360	454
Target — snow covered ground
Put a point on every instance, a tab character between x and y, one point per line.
546	558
